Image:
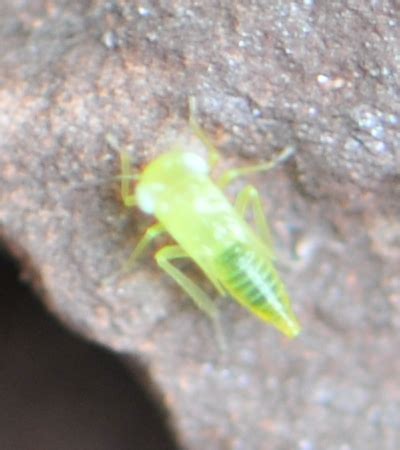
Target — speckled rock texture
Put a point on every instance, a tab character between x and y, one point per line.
321	75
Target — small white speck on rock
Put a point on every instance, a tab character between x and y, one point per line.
110	39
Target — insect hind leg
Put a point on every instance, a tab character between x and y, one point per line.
249	197
199	297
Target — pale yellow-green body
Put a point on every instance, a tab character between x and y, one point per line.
177	190
193	209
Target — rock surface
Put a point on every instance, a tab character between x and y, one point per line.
321	75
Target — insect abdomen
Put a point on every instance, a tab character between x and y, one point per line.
253	281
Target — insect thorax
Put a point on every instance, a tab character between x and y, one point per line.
162	175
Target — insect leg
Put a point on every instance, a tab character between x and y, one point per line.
200	298
217	284
249	197
230	175
127	176
150	234
213	154
128	197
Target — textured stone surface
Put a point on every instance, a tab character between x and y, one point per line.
321	75
60	392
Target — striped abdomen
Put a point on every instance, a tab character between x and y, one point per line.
252	280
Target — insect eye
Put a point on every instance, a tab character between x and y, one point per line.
195	163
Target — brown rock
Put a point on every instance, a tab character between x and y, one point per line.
322	75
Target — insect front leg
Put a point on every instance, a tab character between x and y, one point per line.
247	198
199	297
127	176
230	175
151	233
127	194
213	153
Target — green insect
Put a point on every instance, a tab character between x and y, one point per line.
176	188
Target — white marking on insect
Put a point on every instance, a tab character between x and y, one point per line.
146	196
195	163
